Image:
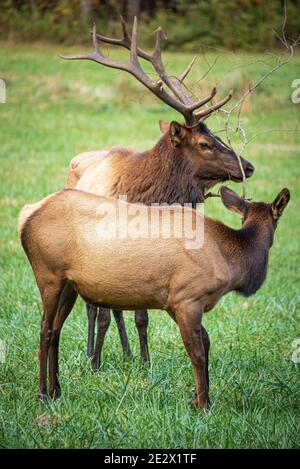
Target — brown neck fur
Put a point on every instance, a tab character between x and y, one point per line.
246	252
162	174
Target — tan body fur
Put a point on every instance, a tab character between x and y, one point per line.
81	163
173	267
70	254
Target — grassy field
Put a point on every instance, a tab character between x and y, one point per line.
56	109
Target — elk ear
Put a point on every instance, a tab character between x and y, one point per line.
232	201
177	133
280	203
164	126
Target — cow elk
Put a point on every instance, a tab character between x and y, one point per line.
184	163
71	254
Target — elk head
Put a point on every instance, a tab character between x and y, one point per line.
209	156
263	216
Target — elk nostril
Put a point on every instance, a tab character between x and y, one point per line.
249	169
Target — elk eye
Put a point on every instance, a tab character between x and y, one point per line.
204	146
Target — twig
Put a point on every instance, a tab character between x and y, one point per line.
290	46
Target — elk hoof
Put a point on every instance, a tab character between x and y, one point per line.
145	362
55	393
90	352
43	396
127	355
204	404
95	363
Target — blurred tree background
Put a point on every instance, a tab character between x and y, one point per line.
233	24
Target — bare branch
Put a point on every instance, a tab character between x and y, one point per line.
187	70
289	45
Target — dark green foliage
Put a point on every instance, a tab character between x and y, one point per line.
233	24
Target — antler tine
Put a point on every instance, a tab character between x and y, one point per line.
159	35
156	60
203	101
175	84
133	47
200	116
126	35
208	98
95	43
124	42
96	55
83	56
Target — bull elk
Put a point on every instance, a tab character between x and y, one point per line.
184	163
70	254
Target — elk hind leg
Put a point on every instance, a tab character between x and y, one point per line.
50	293
92	315
141	322
66	302
119	318
103	325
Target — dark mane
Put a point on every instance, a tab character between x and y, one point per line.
255	255
248	250
256	275
162	175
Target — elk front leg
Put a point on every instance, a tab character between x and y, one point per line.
91	314
103	325
206	343
141	322
189	321
118	314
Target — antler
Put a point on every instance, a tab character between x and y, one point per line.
178	99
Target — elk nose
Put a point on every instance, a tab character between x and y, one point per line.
249	170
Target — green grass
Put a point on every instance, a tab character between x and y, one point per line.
57	109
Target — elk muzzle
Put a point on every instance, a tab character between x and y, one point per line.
235	171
